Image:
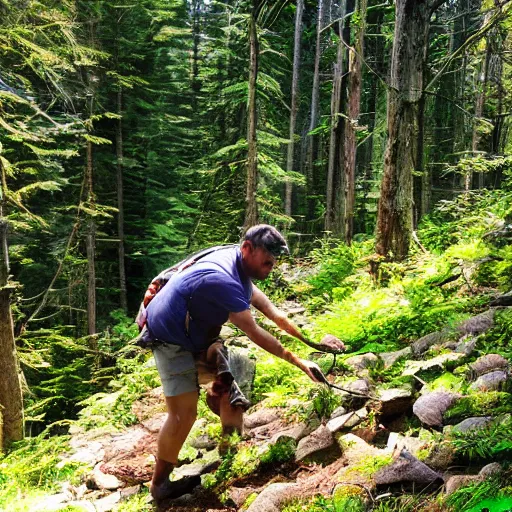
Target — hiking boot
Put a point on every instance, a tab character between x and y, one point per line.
172	490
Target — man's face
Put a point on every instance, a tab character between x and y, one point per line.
257	262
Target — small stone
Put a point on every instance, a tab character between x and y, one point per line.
104	481
390	358
362	361
108	502
271	498
339	411
262	417
491	469
349	420
455	482
318	441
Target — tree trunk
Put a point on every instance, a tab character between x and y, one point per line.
11	398
120	202
315	96
481	85
90	245
354	106
251	212
294	98
335	160
394	218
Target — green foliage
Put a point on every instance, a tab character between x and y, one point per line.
323	504
497	339
324	401
33	467
479	404
492	442
467	497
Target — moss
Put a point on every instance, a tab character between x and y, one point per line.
448	382
368	466
479	404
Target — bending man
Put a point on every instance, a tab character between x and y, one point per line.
186	317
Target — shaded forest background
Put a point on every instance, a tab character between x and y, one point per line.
133	133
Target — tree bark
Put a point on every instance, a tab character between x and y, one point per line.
315	96
293	107
394	218
90	243
251	212
354	107
120	202
11	398
335	161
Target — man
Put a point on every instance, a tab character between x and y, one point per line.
186	316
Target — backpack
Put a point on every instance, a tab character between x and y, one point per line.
144	339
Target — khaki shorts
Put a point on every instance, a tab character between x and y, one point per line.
181	371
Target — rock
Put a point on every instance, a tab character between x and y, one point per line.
51	503
491	469
503	300
296	432
441	456
203	442
397	442
478	324
363	361
108	502
360	386
104	481
493	381
455	482
430	408
472	423
198	467
262	417
349	420
239	495
243	369
154	423
227	332
434	338
356	449
318	441
406	468
339	411
488	363
390	358
414	367
466	345
127	492
271	498
394	401
87	452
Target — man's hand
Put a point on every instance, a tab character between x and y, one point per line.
313	371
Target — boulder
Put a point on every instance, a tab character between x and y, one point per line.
492	381
478	324
390	358
406	468
394	401
316	444
414	367
487	364
430	408
472	424
434	338
273	496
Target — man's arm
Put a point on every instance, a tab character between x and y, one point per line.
262	303
266	341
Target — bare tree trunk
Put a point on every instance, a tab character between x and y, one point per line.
251	212
120	202
315	96
335	150
295	93
354	106
90	243
11	398
481	84
394	220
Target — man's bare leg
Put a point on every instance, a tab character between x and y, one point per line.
182	411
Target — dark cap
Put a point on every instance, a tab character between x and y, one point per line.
267	237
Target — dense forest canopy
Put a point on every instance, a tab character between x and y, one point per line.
132	133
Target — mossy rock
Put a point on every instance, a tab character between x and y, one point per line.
490	403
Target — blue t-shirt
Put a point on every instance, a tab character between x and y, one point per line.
210	290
